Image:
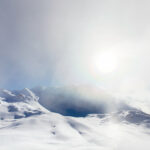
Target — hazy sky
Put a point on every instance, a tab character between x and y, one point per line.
50	42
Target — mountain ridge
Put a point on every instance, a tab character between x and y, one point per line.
26	124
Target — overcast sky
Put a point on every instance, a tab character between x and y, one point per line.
50	42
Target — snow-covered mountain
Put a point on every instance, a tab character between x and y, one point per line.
20	104
26	124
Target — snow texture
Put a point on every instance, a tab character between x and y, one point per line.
26	124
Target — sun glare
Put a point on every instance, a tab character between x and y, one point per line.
105	62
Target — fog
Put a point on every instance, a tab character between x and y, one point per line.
50	43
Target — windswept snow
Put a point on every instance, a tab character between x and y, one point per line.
25	124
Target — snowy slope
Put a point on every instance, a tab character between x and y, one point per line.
19	105
25	124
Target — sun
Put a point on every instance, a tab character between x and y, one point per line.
105	62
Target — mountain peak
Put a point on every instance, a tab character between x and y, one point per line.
28	94
24	95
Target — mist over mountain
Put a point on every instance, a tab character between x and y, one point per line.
46	119
85	64
79	100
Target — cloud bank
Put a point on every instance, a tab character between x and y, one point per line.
51	42
79	101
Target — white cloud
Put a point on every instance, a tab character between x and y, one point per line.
51	42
